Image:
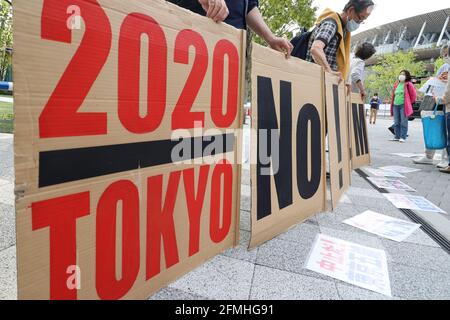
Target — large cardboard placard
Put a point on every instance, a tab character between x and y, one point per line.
338	142
288	153
109	205
359	134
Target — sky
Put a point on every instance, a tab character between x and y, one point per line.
387	11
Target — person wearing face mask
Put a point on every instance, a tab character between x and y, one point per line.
330	41
403	97
375	103
446	101
441	74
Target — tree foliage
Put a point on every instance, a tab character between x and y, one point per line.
286	17
6	38
382	76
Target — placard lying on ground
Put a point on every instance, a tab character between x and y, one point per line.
400	169
349	262
408	155
383	226
338	142
390	184
412	203
359	134
288	154
109	203
383	173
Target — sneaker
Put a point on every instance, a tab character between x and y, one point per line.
402	140
394	139
443	164
424	160
445	170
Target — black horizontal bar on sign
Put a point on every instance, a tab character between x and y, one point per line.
62	166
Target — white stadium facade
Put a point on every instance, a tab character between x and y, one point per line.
425	34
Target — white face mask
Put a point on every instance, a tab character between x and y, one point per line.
402	78
352	26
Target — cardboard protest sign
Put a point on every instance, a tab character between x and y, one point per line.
390	184
383	226
288	153
114	100
349	262
359	133
338	142
413	203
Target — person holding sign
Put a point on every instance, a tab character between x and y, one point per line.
442	75
239	14
446	100
356	78
330	42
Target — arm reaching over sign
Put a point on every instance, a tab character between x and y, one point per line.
256	22
217	10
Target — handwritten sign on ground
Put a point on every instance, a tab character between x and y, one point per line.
412	203
383	173
390	184
400	169
352	263
288	157
383	226
118	105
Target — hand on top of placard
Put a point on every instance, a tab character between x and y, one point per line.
217	10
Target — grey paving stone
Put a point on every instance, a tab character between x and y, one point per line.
288	256
175	294
271	284
221	278
365	192
350	292
414	283
302	233
242	252
364	238
7	226
417	256
245	220
375	204
245	203
8	274
245	177
7	194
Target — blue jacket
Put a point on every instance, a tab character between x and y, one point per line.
237	16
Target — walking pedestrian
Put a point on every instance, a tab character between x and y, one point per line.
375	103
403	97
441	74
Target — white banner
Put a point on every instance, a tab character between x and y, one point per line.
390	184
349	262
383	173
413	203
383	226
400	169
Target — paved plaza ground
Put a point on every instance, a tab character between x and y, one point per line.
418	268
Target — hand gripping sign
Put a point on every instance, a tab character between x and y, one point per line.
99	192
